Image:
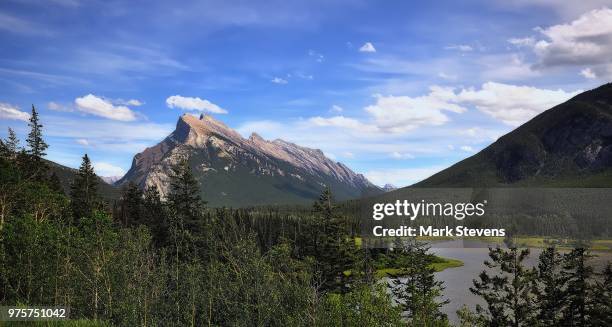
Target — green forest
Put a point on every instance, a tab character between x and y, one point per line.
147	261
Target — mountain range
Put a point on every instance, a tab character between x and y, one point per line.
237	171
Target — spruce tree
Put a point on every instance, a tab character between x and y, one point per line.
508	292
415	288
55	184
131	205
602	306
155	215
327	240
36	147
184	194
549	287
578	274
83	192
9	147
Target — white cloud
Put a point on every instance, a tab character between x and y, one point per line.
342	122
336	109
10	112
107	170
189	103
83	142
97	106
278	80
400	155
460	47
403	113
348	154
584	41
512	104
467	148
522	42
367	47
59	107
588	73
401	177
447	76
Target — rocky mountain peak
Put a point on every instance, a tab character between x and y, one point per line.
228	165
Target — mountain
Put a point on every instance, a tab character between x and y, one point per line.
66	176
110	180
569	145
234	171
389	188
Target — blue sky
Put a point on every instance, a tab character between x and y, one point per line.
396	90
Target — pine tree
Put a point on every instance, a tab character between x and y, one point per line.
36	148
415	289
327	240
578	275
602	307
184	195
155	216
10	146
55	184
508	293
549	287
83	192
131	205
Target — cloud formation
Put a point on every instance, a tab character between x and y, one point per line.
197	104
10	112
100	107
586	41
397	114
511	104
367	47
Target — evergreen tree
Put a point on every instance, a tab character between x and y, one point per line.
55	184
508	293
578	274
327	240
184	196
83	192
10	146
155	216
36	147
549	287
602	307
131	205
415	288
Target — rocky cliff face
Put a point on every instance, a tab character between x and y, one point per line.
235	171
568	145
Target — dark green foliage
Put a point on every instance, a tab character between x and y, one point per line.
508	292
416	290
83	192
37	167
578	274
602	299
364	305
132	202
9	147
184	197
325	238
549	287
